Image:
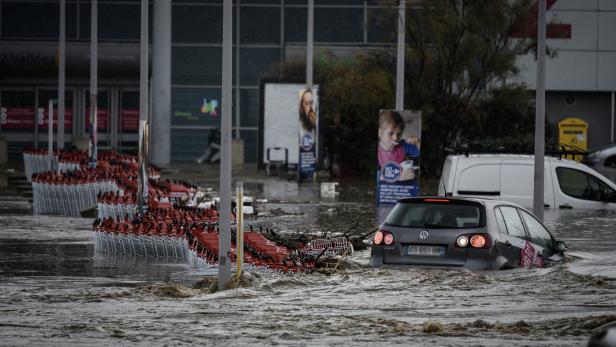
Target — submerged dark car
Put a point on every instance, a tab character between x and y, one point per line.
473	233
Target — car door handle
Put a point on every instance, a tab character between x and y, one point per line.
565	206
546	205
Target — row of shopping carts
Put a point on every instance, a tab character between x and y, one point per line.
115	206
259	251
121	206
76	186
38	160
68	195
140	238
170	227
157	234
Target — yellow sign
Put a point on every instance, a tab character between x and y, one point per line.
573	136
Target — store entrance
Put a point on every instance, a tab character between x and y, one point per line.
24	115
117	117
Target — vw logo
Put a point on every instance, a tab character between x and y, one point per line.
424	234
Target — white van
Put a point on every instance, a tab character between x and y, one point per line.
510	177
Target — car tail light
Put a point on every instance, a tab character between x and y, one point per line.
378	237
462	241
473	241
478	241
389	239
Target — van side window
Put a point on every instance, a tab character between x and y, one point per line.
502	228
513	221
538	233
581	185
480	179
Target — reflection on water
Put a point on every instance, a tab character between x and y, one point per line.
584	230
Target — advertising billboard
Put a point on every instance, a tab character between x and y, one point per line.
279	121
398	152
308	134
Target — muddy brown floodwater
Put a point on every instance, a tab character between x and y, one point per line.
54	290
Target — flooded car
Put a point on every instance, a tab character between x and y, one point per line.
603	160
473	233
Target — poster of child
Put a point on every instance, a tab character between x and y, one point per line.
399	145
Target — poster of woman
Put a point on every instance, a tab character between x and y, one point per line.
398	154
308	134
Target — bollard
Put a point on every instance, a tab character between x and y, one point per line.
50	133
239	225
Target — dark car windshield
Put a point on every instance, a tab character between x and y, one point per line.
435	215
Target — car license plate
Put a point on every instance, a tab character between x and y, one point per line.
437	251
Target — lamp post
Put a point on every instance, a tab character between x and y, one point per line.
224	236
400	57
540	115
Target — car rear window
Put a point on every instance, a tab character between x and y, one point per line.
447	215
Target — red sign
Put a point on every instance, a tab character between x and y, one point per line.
529	258
129	120
17	118
101	118
43	118
528	29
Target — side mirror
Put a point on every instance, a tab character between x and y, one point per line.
609	196
561	246
546	253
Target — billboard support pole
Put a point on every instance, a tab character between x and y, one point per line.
310	44
224	236
400	57
540	116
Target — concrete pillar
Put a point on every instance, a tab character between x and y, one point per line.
160	153
61	74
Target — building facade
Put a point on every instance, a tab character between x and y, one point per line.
270	31
581	78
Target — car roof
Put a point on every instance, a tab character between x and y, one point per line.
489	157
484	201
424	198
611	147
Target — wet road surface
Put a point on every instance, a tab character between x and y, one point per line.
54	290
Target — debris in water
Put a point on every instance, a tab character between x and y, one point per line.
168	290
331	265
432	327
208	284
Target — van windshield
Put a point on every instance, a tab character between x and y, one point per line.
435	215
